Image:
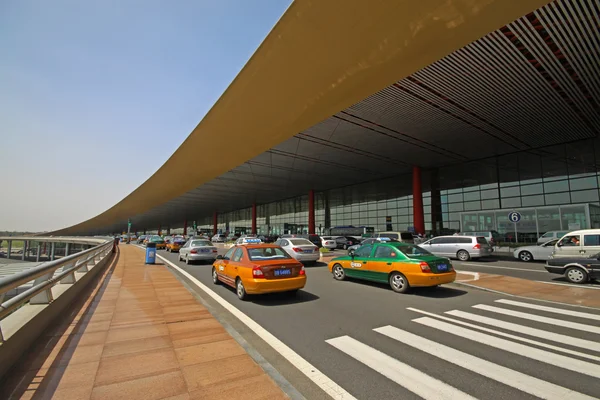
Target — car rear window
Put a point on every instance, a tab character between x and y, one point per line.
390	235
201	243
267	253
413	251
300	242
405	236
481	240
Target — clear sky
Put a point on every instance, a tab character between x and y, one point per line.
96	95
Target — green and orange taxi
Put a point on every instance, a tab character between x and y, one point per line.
257	269
401	265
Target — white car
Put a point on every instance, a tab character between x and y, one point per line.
302	250
536	252
198	250
248	240
218	238
329	242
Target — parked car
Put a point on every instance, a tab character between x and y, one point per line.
576	269
400	265
492	237
551	235
406	237
197	250
581	243
219	238
329	242
343	242
540	252
301	249
257	269
462	247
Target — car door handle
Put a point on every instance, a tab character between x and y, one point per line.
389	263
364	262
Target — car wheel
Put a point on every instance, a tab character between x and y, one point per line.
525	256
215	276
338	272
463	255
576	275
240	290
398	282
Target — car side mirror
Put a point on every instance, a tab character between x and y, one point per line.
559	244
220	257
351	252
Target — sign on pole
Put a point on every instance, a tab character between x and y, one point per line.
515	217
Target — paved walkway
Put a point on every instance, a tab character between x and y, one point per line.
567	294
139	335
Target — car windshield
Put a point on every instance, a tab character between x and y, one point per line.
300	242
550	243
481	240
390	235
157	239
197	243
412	251
547	234
267	253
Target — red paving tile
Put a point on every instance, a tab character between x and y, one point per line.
140	335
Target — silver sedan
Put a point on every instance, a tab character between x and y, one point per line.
198	250
301	249
535	252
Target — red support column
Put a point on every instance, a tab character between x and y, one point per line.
215	222
185	228
418	215
159	231
254	218
311	212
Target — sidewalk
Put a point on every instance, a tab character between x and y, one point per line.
139	335
535	290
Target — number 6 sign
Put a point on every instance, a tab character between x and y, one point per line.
514	217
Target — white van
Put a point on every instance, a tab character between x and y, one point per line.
406	237
582	243
551	235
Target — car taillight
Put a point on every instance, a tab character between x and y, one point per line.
477	246
316	248
193	251
257	272
214	250
297	249
302	271
424	267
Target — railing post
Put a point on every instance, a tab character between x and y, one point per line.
37	255
9	250
66	249
44	297
69	278
52	248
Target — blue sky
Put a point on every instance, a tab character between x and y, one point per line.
96	95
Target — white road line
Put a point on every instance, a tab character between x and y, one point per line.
508	335
558	360
475	275
509	377
539	318
586	286
319	378
404	375
555	310
491	266
555	337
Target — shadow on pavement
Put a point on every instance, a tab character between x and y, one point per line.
435	292
279	299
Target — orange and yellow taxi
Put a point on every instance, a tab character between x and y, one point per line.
175	243
158	241
401	265
257	269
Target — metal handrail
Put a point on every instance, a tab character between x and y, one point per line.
43	275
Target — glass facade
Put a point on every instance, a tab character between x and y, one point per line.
549	187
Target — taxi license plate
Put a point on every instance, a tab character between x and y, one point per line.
442	267
282	272
308	251
204	250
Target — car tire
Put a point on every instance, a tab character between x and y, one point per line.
463	255
338	272
398	282
240	290
215	277
576	275
525	256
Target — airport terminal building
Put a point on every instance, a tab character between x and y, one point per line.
441	120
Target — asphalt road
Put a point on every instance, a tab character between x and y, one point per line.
346	314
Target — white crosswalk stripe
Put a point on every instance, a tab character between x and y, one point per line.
476	328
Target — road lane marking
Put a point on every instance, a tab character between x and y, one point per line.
555	310
558	360
585	286
475	275
555	337
508	335
507	376
319	378
500	267
404	375
539	318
